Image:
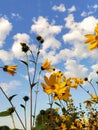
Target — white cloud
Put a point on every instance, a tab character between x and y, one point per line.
64	55
5	28
16	15
76	33
8	86
72	9
16	47
95	6
74	69
47	31
6	56
93	74
91	10
60	8
84	14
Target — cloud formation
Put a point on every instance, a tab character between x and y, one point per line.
47	31
5	28
8	86
60	8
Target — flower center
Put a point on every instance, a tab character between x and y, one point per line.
96	38
53	87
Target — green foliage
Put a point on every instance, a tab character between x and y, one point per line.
4	128
24	62
22	106
46	119
7	128
4	113
11	97
8	112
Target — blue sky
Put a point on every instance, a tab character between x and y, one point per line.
63	25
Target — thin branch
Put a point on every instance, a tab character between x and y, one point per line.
15	109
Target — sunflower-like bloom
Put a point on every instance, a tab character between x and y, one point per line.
47	66
55	84
10	69
92	39
74	82
51	84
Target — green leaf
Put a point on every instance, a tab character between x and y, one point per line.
24	62
11	97
57	104
4	128
34	84
7	128
22	106
4	113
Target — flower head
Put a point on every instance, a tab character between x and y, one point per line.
50	84
88	103
92	39
47	66
25	98
25	48
10	69
40	39
94	98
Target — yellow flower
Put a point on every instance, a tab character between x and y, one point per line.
10	69
62	93
92	39
56	84
74	82
47	66
51	84
88	103
63	126
94	98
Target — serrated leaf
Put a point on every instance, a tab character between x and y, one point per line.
4	113
11	97
22	106
24	62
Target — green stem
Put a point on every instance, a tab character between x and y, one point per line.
35	106
30	91
25	116
84	89
93	87
15	109
35	69
13	121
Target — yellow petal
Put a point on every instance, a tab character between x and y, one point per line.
90	38
46	80
52	79
96	28
93	46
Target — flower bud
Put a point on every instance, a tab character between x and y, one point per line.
25	48
40	39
